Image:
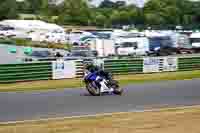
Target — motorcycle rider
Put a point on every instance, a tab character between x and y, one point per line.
94	69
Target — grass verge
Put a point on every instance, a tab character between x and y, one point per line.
77	83
164	121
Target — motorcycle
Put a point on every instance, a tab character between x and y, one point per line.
96	85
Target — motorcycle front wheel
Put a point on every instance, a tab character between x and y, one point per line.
92	90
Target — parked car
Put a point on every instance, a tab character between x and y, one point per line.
41	54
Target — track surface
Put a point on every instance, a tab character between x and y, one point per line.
75	102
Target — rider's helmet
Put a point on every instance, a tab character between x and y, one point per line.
91	67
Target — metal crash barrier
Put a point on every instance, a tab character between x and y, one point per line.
63	69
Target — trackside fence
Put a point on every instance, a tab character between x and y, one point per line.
25	72
62	69
188	64
124	66
152	65
79	68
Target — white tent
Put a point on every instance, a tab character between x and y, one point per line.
34	25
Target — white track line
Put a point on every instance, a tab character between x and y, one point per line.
96	115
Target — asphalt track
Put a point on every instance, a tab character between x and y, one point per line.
76	102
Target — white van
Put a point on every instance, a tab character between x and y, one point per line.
133	46
103	47
195	40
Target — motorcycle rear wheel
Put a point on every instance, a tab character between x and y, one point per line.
117	89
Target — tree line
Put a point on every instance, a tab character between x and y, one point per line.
108	13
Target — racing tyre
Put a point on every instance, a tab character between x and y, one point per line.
92	90
117	89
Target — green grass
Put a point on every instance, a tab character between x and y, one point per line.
142	78
77	83
178	120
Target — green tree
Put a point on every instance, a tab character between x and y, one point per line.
195	12
75	12
8	9
154	19
34	6
44	7
172	12
23	7
101	20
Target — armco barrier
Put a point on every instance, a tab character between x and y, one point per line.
124	66
25	72
188	63
43	70
163	64
141	65
79	68
32	71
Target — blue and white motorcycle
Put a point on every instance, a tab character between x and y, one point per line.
96	84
